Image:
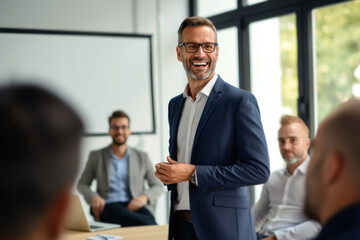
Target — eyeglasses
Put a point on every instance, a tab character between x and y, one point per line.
116	128
192	47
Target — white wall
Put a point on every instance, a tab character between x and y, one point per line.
266	85
160	18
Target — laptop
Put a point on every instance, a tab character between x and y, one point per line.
76	219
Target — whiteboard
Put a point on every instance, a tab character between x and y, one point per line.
97	73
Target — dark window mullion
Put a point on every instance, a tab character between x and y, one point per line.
192	7
305	66
244	55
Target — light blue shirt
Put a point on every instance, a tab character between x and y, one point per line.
119	179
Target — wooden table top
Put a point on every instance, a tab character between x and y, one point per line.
154	232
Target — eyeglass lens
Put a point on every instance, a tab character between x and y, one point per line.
193	47
116	128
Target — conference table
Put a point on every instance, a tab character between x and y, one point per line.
153	232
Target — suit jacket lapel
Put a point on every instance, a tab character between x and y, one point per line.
133	167
176	120
107	161
213	99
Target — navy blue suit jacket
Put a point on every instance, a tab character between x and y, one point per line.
345	225
229	153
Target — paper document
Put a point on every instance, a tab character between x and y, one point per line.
104	237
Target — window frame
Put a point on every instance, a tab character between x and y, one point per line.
243	16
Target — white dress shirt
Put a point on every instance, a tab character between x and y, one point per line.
188	124
280	208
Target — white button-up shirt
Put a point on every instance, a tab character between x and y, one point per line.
280	208
188	124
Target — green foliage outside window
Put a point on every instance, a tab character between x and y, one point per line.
288	55
337	52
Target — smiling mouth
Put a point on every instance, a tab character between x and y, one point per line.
200	64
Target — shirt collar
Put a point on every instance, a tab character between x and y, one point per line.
206	90
113	156
303	167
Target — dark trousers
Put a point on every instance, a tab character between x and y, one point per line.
118	213
183	230
260	236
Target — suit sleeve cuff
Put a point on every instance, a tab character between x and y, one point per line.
193	178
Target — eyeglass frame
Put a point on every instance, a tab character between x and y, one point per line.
116	128
198	46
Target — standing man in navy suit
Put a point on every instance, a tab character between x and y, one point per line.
217	146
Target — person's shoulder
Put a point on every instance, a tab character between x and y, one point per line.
280	171
234	92
176	98
98	152
238	92
276	174
103	149
234	96
139	153
175	101
136	150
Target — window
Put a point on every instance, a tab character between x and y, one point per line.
337	64
274	81
212	7
228	64
252	2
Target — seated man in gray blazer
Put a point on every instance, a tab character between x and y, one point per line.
120	172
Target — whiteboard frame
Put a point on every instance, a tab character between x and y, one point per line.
101	34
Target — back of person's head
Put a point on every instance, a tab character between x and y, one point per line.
333	177
290	119
343	135
39	149
193	22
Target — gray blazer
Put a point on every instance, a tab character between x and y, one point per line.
140	169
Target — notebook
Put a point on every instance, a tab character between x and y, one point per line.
76	219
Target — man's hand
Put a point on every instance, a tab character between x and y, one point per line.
137	203
97	205
272	237
173	172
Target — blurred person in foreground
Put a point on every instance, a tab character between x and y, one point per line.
333	180
39	146
279	213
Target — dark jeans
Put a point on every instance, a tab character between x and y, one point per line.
183	230
118	213
260	236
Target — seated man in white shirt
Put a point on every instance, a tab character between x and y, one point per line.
279	212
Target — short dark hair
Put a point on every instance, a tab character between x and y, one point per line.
118	114
195	21
39	152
